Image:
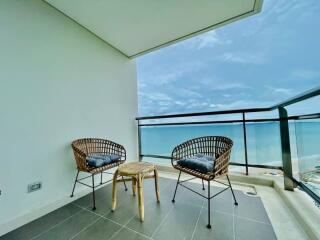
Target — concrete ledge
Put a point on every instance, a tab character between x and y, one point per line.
303	208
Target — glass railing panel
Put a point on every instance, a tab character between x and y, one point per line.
263	140
308	151
264	144
160	140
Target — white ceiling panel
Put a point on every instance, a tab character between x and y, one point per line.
135	27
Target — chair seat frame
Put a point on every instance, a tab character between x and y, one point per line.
217	146
82	148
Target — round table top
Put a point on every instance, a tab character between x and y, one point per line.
135	168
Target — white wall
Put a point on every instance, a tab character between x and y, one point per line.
58	82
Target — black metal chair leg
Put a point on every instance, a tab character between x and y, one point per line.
101	179
209	225
203	185
234	197
93	194
74	185
175	191
125	185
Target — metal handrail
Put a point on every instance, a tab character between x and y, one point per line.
295	117
298	98
196	114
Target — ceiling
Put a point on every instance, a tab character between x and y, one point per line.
135	27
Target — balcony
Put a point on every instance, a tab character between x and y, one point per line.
67	72
265	210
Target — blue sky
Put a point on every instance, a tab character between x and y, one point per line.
255	62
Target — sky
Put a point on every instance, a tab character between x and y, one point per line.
255	62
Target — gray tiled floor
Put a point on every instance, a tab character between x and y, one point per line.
186	219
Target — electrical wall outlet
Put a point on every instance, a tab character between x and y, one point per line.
34	186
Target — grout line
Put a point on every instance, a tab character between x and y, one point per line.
85	228
245	218
195	227
146	236
102	216
242	217
116	232
122	227
252	220
165	217
56	225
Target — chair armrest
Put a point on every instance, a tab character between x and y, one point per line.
81	158
115	148
180	152
221	163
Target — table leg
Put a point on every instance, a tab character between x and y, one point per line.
156	182
140	197
134	186
114	191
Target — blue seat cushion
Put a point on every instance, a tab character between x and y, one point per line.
100	159
114	157
199	162
95	162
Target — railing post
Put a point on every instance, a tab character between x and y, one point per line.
285	148
245	142
139	142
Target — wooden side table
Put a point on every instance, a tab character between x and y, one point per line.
136	172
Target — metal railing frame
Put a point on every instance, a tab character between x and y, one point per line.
283	119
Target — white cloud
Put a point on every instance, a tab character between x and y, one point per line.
229	86
286	91
280	91
170	74
155	96
180	103
205	40
242	58
240	104
186	93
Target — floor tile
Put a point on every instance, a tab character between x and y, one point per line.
180	222
85	201
246	229
223	202
102	229
250	207
126	234
42	224
70	227
125	210
154	214
221	226
103	201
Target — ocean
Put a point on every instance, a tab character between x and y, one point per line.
263	141
263	144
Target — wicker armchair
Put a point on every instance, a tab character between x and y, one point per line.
216	146
82	148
